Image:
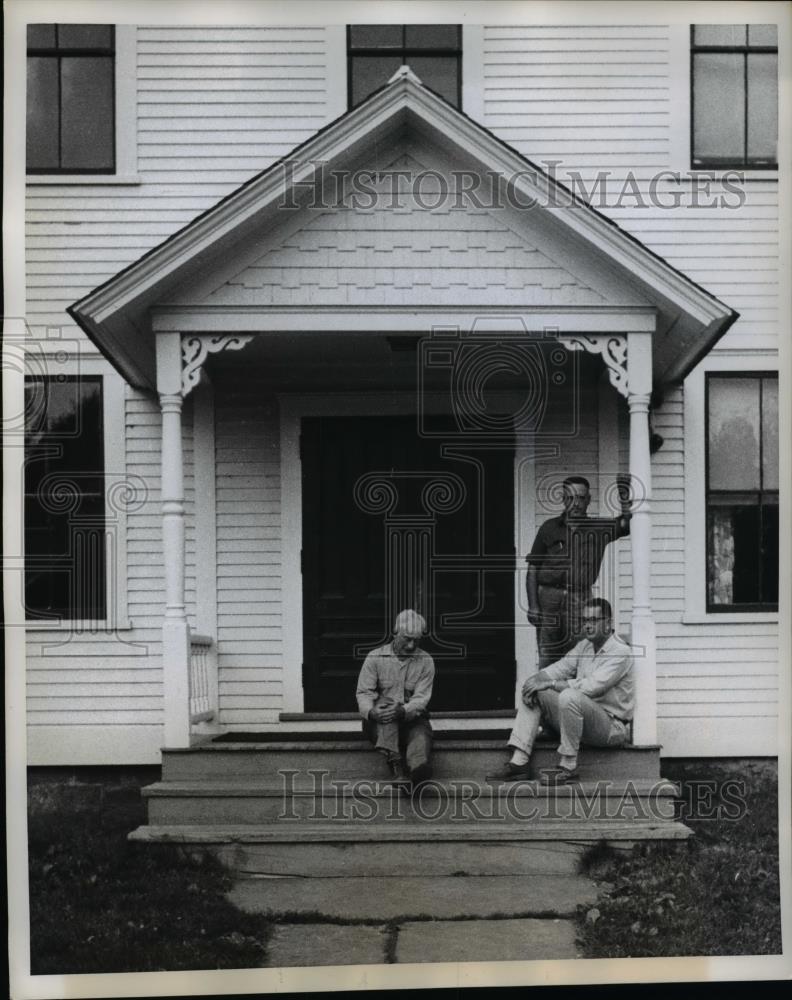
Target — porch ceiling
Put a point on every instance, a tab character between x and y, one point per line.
251	263
353	362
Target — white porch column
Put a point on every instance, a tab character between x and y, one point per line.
639	374
175	630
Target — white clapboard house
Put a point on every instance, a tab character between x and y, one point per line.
321	316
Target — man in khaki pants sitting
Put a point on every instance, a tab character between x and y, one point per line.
587	696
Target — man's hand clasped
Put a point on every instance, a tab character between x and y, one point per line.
390	713
533	686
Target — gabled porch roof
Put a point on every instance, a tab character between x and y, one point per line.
179	273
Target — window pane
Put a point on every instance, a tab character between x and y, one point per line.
41	36
376	35
719	34
369	73
733	446
87	113
61	409
762	107
42	113
432	36
64	499
770	553
718	106
733	555
770	433
438	73
762	34
85	36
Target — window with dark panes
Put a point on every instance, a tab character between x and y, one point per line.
65	572
432	51
70	99
734	114
742	492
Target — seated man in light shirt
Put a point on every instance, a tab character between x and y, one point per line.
393	693
587	696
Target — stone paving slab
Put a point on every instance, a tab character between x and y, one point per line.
486	941
294	945
443	897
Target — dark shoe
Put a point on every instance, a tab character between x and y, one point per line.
560	776
420	773
397	771
511	772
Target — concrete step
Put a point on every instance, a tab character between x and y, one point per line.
409	897
338	849
451	758
299	799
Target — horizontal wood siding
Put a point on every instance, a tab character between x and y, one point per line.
591	99
717	684
249	638
217	105
214	107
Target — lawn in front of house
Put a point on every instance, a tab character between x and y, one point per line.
716	894
101	904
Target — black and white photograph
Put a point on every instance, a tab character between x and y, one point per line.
396	543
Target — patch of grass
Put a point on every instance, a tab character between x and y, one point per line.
101	904
716	894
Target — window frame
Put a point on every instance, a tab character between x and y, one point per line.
761	493
724	163
114	443
125	114
695	611
403	51
57	53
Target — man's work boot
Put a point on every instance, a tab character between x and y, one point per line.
511	772
420	773
397	770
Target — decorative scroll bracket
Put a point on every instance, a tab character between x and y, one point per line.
196	349
612	347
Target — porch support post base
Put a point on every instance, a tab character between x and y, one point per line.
644	643
176	682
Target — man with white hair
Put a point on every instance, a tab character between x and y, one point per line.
393	693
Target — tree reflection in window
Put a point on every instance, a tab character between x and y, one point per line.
65	573
742	492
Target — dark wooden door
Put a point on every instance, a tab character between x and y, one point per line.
391	521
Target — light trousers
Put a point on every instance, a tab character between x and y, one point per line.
577	717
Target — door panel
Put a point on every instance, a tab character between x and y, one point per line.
390	521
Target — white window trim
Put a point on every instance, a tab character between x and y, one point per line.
679	101
114	414
473	71
125	119
695	612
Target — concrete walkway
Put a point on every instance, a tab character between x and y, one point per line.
376	920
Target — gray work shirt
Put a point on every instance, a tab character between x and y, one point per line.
386	679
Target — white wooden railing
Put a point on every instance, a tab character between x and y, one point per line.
203	678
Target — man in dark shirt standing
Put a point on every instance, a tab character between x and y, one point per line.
564	564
